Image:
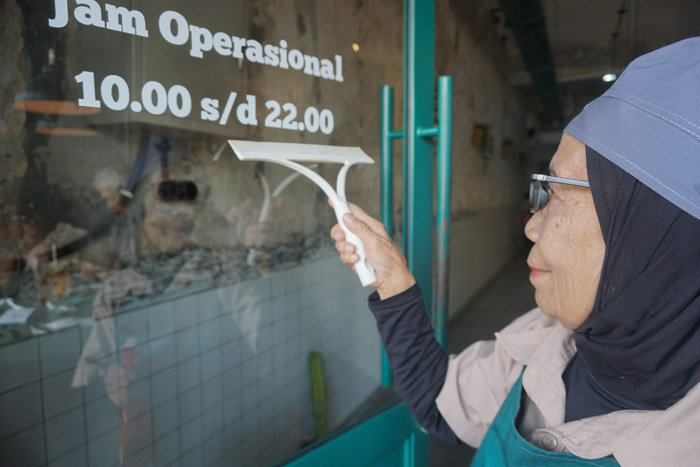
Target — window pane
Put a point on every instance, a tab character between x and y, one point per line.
161	299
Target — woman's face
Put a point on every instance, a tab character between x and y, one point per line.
567	256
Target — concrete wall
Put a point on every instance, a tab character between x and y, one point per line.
481	246
488	182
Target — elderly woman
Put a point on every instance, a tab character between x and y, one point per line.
605	371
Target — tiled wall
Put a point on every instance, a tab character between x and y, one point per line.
218	377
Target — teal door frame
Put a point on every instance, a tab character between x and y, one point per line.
393	437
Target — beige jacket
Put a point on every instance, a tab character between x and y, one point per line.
479	379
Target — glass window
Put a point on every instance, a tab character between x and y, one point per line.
160	299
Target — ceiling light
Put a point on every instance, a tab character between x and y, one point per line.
356	47
608	77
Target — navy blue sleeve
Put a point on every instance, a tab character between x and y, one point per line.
418	362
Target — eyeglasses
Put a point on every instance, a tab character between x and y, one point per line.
539	188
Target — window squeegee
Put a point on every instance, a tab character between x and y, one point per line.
290	154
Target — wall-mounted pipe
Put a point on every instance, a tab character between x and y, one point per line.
526	20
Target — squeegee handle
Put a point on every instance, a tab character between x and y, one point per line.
363	268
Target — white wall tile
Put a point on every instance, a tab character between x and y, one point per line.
187	343
138	395
165	419
167	449
96	387
247	349
266	390
59	351
214	448
161	320
229	329
258	393
251	396
262	287
143	457
209	306
132	324
249	371
291	302
277	284
278	332
233	414
212	392
162	353
277	307
190	434
251	452
102	415
24	449
251	432
138	435
209	335
303	272
163	386
279	356
292	280
266	313
190	404
58	394
264	363
185	312
210	363
193	458
75	458
188	374
231	354
306	297
19	364
20	409
213	420
65	432
265	339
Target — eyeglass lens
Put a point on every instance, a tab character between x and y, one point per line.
538	196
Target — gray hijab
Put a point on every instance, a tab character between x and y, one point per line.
640	347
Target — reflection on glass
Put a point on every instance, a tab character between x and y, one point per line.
159	299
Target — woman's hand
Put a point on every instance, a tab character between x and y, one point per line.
393	276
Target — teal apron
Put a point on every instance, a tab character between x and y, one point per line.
504	446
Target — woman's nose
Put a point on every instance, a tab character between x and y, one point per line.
532	228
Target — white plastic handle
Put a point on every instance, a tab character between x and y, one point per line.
365	271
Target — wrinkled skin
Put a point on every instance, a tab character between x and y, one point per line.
393	276
567	256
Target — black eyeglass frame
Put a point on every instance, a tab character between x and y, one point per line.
538	192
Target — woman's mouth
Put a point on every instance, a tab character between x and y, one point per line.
534	272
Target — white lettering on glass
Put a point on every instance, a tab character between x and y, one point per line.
126	21
156	98
176	30
165	25
89	13
61	18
